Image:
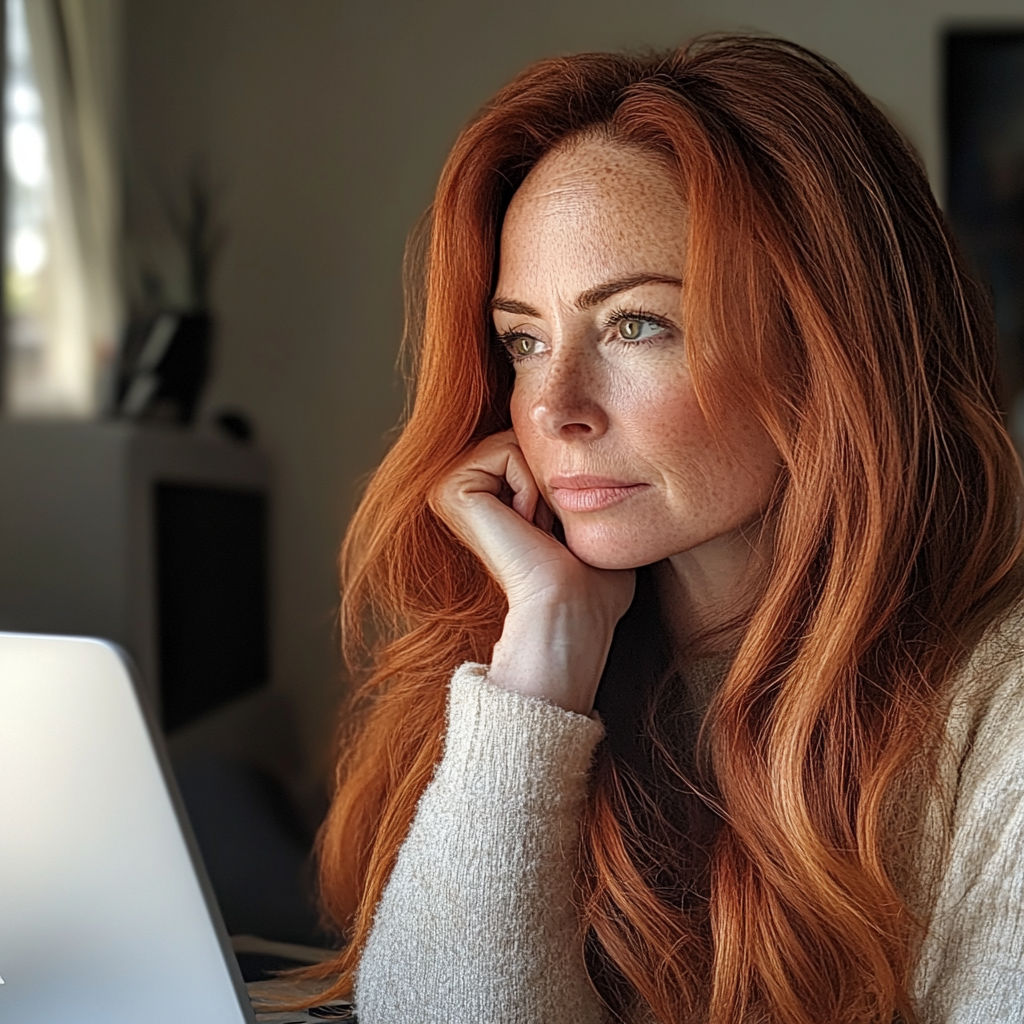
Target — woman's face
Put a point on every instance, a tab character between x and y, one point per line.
588	303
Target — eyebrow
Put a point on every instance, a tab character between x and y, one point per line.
590	298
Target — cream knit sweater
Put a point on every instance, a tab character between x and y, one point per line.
477	924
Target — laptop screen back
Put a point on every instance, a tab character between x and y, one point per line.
102	915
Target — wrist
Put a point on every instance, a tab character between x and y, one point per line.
554	651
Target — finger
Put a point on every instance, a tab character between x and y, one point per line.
481	470
525	493
465	498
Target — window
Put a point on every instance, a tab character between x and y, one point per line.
61	290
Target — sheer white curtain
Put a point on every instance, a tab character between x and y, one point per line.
75	56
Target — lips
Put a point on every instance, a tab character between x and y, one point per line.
590	493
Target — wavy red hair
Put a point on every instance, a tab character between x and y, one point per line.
823	289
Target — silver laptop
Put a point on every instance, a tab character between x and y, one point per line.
106	914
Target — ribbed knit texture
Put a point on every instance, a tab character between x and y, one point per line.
971	967
477	924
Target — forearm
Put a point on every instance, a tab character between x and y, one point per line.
478	921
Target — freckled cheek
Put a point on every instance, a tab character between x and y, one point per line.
520	408
665	426
720	480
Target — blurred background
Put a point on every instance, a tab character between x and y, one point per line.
206	207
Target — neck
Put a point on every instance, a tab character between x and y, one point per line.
707	592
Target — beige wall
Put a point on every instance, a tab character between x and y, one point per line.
326	122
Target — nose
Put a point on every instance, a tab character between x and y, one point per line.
568	405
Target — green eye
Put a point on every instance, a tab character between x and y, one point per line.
638	329
519	346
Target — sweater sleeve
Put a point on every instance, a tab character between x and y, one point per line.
971	969
477	922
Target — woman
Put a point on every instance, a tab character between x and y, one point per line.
705	437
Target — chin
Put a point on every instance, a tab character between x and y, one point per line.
609	549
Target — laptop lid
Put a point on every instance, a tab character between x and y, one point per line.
105	911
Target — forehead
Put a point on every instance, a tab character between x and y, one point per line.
592	209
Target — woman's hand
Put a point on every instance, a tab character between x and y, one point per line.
561	611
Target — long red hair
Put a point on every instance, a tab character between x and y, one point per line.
822	288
